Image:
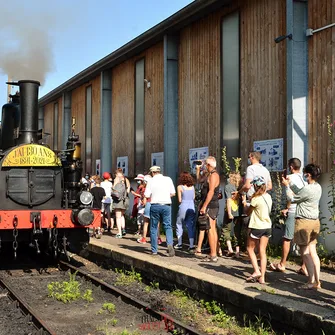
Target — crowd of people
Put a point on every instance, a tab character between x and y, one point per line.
247	218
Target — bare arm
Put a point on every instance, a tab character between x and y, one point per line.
213	181
179	192
246	187
229	201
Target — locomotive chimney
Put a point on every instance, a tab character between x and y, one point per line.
29	111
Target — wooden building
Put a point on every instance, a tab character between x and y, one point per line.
209	75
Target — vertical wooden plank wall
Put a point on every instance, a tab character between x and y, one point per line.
321	80
123	109
154	102
78	109
263	72
123	97
263	86
48	122
60	123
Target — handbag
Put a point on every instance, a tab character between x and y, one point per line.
203	222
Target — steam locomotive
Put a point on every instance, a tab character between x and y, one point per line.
42	201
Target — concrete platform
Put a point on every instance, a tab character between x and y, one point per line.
282	299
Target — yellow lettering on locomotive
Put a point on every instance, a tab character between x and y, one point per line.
31	155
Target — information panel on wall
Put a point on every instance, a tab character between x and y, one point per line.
157	158
122	162
272	153
196	154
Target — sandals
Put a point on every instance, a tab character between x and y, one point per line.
253	279
277	267
210	259
311	286
198	254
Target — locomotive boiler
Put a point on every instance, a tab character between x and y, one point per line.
42	202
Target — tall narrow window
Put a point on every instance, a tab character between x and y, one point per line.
55	127
139	116
231	84
88	130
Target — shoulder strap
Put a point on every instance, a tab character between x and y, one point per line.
266	204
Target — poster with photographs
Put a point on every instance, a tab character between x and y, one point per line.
122	162
197	154
97	167
157	158
272	153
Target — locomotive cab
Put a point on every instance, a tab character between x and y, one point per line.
42	201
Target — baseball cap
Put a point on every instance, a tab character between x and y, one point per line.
258	181
139	177
106	175
155	168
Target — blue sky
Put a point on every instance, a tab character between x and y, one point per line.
74	34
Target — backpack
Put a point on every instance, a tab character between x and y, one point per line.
119	192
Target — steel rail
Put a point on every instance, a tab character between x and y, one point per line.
41	327
172	323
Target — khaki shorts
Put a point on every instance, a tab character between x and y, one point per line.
306	231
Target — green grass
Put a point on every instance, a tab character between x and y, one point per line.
126	277
68	291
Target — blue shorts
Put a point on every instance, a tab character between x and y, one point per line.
147	210
289	226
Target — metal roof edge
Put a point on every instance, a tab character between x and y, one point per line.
149	37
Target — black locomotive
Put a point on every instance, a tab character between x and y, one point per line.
42	201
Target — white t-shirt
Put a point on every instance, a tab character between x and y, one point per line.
159	189
107	186
297	180
257	170
260	216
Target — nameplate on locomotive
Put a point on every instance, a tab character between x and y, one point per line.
31	155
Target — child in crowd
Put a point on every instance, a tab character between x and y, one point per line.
259	228
98	195
138	202
233	216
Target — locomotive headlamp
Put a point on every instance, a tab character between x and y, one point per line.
86	198
85	217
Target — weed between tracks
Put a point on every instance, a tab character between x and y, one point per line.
68	291
127	277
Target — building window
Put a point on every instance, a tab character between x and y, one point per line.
139	116
88	130
230	83
55	127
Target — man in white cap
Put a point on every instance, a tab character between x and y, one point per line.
160	189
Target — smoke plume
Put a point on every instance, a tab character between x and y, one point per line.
25	43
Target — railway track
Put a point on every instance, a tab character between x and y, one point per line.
171	324
30	315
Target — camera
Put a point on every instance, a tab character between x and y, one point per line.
198	162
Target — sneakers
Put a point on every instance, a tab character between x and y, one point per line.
170	251
118	236
142	240
178	247
159	241
123	232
